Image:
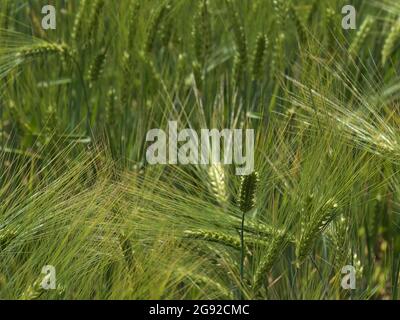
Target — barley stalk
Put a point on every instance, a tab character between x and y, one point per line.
391	41
6	236
361	35
301	29
127	250
34	291
246	201
267	261
133	22
97	8
213	236
313	228
205	281
153	27
202	32
240	60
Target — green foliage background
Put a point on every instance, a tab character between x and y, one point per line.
76	192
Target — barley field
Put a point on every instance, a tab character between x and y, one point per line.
79	198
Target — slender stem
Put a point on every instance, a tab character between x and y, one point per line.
242	253
89	114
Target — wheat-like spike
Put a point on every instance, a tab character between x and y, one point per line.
43	49
266	231
96	68
133	19
213	236
338	235
209	282
372	218
216	174
127	250
361	35
6	236
266	263
224	239
277	54
247	192
281	10
331	24
202	32
313	229
391	41
127	62
94	18
259	55
166	32
77	27
149	63
301	29
33	292
240	60
154	26
111	100
36	290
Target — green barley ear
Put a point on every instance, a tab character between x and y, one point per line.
281	11
247	192
300	28
338	234
77	27
6	236
213	236
391	41
126	66
133	19
127	250
43	49
34	291
246	201
240	61
266	231
277	54
313	228
154	25
361	35
259	56
331	25
202	32
204	281
216	174
97	8
110	105
96	67
268	259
